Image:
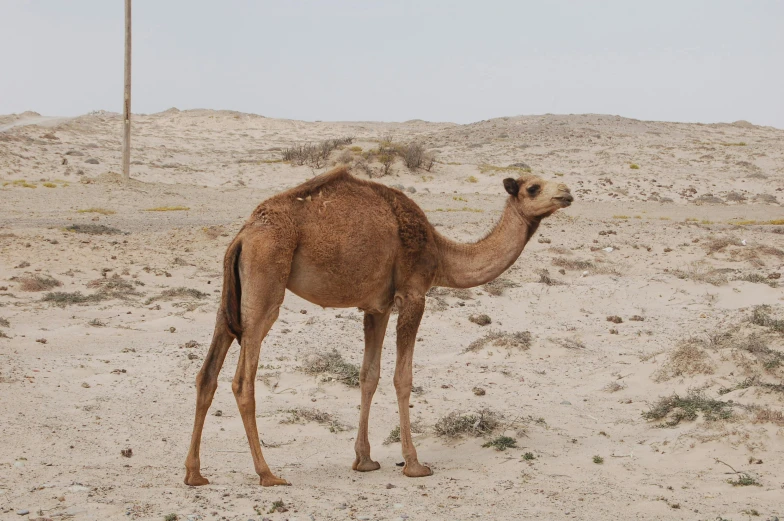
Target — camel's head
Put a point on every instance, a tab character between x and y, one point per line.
535	197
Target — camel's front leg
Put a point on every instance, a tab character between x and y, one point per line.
375	327
410	310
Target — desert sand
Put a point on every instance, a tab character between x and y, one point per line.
661	279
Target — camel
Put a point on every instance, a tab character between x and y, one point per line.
339	241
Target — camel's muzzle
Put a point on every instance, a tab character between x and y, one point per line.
565	199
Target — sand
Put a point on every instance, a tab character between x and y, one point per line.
668	242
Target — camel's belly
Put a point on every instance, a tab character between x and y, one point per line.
363	281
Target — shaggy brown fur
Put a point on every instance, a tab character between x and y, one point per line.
338	241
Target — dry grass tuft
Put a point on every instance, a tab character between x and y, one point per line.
102	211
332	363
168	209
115	287
305	415
769	416
717	244
572	264
614	386
93	229
394	434
178	293
520	340
38	283
481	423
480	319
62	299
760	316
687	359
702	272
569	343
546	279
498	286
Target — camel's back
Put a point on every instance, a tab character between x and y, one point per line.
352	236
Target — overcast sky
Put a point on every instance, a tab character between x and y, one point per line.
461	61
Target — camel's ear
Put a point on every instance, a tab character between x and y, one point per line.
511	186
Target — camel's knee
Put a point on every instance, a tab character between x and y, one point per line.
403	384
243	394
368	377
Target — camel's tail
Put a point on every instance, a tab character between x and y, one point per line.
232	289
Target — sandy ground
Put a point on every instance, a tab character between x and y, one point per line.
80	383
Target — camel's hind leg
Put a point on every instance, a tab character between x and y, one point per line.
206	383
375	327
264	272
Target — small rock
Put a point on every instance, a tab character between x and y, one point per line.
411	190
363	518
522	165
172	329
127	452
390	485
303	311
92	161
193	356
608	249
85	385
566	402
399	187
74	153
479	391
41	340
218	413
22	512
615	319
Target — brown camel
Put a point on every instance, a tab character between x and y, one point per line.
339	241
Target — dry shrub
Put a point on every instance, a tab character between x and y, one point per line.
4	322
332	363
437	304
480	319
305	415
315	155
687	359
520	340
481	423
674	409
413	155
498	286
38	283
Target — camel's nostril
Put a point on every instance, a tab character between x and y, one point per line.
569	197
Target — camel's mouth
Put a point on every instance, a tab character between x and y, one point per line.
565	200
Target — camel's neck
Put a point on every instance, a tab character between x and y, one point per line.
469	265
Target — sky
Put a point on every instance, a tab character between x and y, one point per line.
345	60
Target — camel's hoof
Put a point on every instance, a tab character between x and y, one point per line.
272	481
417	470
195	479
367	465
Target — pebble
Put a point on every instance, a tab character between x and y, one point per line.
92	161
565	402
22	512
363	518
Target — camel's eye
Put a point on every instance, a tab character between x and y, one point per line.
533	190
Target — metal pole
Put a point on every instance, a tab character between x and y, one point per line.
126	150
